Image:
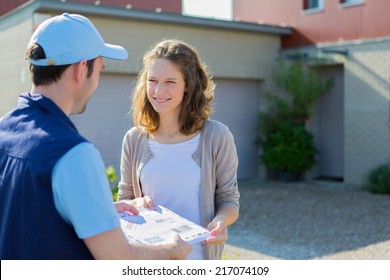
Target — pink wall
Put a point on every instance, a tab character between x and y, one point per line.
8	5
334	23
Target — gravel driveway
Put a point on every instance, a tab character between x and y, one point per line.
301	221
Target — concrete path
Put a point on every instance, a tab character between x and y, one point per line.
302	221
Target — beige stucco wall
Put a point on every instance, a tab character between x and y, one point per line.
14	76
367	107
228	53
236	55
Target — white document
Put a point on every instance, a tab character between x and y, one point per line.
156	227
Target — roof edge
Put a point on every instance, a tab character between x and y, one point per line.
107	11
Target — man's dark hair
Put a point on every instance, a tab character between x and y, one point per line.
45	75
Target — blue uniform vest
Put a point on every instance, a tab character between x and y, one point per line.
33	137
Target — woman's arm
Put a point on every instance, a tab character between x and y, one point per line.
226	191
225	216
125	186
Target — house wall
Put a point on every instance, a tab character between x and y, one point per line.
335	22
366	104
240	62
328	126
363	31
107	117
171	6
14	76
9	5
367	108
229	54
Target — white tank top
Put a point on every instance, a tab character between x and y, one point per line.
172	179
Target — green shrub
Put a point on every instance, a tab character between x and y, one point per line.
112	178
304	86
289	148
300	87
114	192
378	180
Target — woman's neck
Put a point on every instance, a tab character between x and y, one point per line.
168	132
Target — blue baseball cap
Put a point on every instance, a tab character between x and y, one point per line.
71	38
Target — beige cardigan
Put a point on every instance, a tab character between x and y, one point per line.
217	157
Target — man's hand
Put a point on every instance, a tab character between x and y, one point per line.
180	248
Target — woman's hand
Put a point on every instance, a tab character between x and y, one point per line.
124	206
143	202
218	226
219	233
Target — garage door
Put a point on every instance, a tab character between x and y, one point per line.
328	129
236	105
106	119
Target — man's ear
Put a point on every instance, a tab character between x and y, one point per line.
80	70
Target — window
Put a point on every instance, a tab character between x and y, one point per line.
314	5
346	3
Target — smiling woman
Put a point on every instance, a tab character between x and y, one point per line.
175	156
165	86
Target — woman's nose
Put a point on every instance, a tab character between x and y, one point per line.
158	88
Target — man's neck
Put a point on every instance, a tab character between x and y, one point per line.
55	93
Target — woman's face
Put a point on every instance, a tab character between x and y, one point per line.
165	86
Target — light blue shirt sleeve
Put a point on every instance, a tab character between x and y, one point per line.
82	193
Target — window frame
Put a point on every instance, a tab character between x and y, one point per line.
319	8
350	3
